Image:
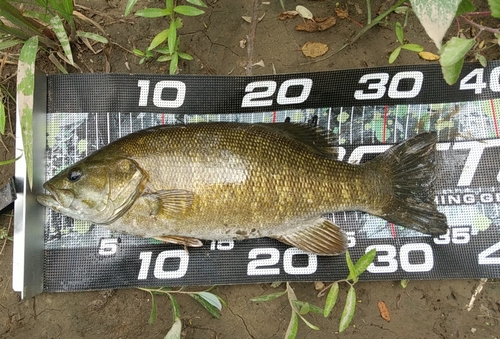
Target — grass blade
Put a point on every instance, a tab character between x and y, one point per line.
93	36
268	297
173	63
348	312
331	299
293	326
2	118
175	330
58	28
25	90
212	299
9	43
130	5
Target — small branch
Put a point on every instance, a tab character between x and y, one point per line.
478	290
481	27
251	36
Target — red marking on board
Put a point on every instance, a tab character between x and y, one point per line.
274	117
494	117
393	230
163	118
384	128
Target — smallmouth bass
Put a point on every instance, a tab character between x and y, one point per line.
221	181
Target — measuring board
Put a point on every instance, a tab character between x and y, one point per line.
368	109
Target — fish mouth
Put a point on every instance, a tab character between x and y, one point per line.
55	197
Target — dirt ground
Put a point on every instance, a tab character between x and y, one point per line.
425	309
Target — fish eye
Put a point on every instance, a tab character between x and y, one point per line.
74	174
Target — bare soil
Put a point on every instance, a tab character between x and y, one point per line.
425	309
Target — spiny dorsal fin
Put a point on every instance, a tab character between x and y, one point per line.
318	139
321	237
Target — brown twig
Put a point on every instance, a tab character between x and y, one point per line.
251	36
481	27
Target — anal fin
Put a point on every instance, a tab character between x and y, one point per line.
322	238
185	241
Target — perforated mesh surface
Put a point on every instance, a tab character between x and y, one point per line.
87	112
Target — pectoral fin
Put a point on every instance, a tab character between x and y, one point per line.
185	241
174	202
322	238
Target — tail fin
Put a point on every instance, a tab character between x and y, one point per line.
411	169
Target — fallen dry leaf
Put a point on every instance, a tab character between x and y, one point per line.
314	49
341	13
317	25
288	15
428	56
384	311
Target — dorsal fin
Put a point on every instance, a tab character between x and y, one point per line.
319	140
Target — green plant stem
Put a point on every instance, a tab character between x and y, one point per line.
368	12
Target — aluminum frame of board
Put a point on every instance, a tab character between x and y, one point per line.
368	109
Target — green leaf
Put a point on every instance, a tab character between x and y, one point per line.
211	298
152	316
348	312
152	12
25	90
197	3
178	23
495	8
293	326
455	50
208	306
188	10
352	271
404	283
399	33
436	16
331	299
169	4
138	52
164	58
2	118
413	47
365	261
185	56
61	35
92	36
465	6
482	60
43	17
305	306
172	38
173	63
9	43
129	6
268	297
394	55
158	39
175	330
175	307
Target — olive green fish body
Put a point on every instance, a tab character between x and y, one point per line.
237	181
